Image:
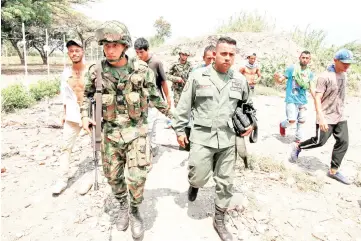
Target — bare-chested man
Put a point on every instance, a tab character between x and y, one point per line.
251	71
72	90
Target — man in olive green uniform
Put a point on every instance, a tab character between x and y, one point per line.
128	85
212	93
179	73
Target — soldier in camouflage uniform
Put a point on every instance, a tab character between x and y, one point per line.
128	86
178	74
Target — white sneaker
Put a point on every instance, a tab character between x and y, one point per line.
59	187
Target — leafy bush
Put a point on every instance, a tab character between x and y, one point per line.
45	88
15	97
269	66
246	22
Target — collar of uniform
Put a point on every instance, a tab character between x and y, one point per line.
107	66
208	70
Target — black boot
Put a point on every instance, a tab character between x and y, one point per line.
192	193
220	226
136	223
122	222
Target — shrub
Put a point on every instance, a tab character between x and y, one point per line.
246	22
45	88
15	97
269	66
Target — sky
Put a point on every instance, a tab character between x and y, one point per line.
192	18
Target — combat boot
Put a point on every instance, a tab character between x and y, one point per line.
192	193
136	223
220	226
122	222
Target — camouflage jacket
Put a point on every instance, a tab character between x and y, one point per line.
126	93
177	71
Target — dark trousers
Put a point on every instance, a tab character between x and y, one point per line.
340	132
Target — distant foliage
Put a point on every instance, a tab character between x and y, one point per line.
17	97
246	22
45	88
163	31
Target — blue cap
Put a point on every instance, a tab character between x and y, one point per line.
345	56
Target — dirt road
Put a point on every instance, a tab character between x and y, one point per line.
278	205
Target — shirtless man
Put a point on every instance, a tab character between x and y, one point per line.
72	89
250	70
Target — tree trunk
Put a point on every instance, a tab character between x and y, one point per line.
44	58
42	54
20	53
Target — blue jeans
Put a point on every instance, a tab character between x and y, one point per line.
295	112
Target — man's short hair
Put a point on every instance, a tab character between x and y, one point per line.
227	40
211	48
306	52
141	43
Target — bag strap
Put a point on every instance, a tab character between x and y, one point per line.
98	105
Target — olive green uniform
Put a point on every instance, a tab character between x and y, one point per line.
213	97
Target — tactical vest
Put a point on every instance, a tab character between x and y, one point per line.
124	95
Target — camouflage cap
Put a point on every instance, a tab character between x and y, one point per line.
184	50
74	42
113	31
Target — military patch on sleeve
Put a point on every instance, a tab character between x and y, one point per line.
186	87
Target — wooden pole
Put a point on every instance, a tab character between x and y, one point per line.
47	50
25	58
64	51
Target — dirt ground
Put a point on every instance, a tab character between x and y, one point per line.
295	203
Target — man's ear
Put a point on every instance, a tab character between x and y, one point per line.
214	53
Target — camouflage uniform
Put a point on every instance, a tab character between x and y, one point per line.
126	93
176	72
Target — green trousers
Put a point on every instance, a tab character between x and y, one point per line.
205	161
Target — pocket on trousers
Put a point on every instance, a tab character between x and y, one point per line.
139	153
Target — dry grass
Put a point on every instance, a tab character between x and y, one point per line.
304	181
247	22
268	91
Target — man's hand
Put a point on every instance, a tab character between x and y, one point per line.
182	140
322	124
278	78
86	124
181	81
248	131
169	102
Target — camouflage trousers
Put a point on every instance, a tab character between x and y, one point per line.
133	157
176	96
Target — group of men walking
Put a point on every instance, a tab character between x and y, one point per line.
205	98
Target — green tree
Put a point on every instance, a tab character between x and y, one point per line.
36	15
163	30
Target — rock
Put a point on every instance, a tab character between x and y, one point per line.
275	176
319	232
259	216
261	228
19	235
244	235
245	203
27	205
272	233
290	181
